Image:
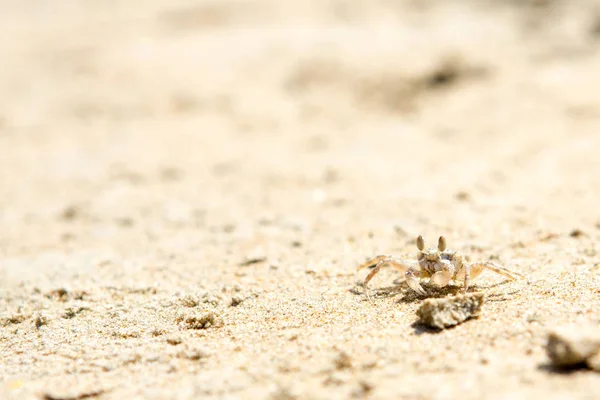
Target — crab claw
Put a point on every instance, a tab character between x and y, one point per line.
413	283
441	278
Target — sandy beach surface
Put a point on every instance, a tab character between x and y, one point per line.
187	188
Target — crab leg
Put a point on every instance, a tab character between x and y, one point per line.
467	277
411	270
412	279
397	263
478	267
411	275
374	261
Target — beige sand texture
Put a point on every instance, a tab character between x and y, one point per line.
187	188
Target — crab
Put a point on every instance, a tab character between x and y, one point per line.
440	265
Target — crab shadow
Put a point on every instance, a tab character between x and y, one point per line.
433	292
408	295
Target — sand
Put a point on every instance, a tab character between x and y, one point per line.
187	188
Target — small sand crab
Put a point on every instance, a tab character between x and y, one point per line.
439	265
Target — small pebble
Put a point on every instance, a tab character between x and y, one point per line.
236	300
174	340
575	233
342	361
40	320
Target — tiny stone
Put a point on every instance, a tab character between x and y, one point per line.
71	212
72	395
462	196
174	340
253	260
343	361
575	233
61	294
573	345
450	311
236	300
40	320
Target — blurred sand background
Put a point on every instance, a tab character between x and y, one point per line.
164	164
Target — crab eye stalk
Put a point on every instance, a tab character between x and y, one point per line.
420	243
442	244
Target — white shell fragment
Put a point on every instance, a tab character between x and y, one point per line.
574	345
